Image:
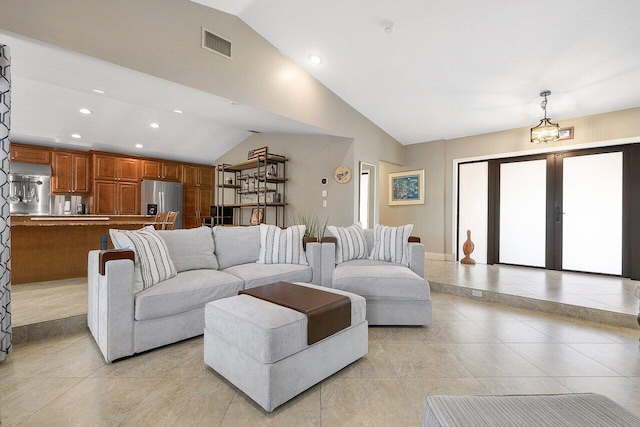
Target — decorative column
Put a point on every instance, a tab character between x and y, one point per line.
5	232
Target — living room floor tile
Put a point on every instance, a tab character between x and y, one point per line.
94	402
517	331
526	385
622	359
560	360
365	401
182	402
22	397
493	360
302	410
420	359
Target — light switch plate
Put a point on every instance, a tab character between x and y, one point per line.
324	193
324	203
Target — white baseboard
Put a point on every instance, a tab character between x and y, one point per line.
435	256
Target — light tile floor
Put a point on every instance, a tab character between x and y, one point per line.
472	347
608	293
39	302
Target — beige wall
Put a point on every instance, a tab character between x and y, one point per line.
311	157
434	220
162	38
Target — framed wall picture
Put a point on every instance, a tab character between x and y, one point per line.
565	133
406	188
257	215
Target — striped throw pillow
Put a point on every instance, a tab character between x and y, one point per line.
278	246
391	244
351	243
153	256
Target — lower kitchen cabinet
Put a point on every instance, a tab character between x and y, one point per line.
196	205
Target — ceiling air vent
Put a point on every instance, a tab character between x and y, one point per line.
216	43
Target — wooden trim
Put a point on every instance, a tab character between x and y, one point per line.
631	213
493	214
306	240
414	239
329	239
116	254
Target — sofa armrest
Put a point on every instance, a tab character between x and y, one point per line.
110	308
328	262
314	258
416	258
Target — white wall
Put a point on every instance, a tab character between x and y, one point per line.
434	219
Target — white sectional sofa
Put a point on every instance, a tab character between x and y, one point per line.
210	264
396	294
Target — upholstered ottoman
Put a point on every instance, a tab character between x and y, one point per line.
561	410
262	347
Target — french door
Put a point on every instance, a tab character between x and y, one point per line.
576	210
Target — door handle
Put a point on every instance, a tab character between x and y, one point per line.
557	214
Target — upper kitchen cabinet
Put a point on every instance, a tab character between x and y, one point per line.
198	176
115	168
30	154
70	173
162	171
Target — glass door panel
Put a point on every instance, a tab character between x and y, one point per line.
473	208
523	201
592	213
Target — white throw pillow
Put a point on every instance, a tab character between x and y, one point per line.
153	255
351	243
278	246
391	244
122	241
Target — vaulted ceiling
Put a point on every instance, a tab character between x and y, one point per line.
425	70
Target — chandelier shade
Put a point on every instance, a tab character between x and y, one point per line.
546	131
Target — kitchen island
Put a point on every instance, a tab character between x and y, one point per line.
56	247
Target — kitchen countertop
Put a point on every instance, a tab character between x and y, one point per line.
75	220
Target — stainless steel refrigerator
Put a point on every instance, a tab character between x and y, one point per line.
161	196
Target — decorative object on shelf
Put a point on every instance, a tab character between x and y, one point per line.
256	152
272	172
245	185
277	198
257	216
229	181
342	174
545	131
467	249
406	188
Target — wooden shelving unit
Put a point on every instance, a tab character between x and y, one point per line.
254	184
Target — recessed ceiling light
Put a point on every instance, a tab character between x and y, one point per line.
178	111
76	135
154	125
99	91
139	145
315	59
85	111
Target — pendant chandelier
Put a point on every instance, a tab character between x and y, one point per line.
545	131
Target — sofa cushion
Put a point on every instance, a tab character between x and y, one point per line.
255	274
267	332
152	261
236	245
191	249
380	280
184	292
391	243
278	246
350	242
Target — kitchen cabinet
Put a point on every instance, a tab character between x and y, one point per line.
198	176
196	205
198	183
30	154
116	198
70	173
159	170
115	168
